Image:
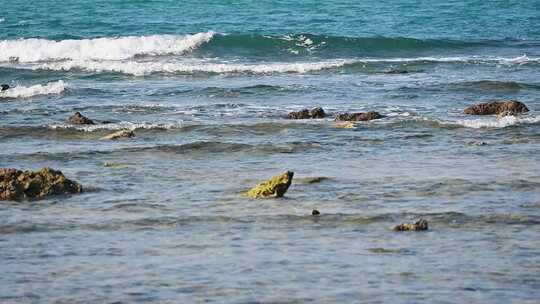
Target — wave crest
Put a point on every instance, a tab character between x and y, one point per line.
56	87
35	50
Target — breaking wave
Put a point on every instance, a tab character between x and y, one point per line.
38	89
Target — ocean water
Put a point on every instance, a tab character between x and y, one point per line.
206	87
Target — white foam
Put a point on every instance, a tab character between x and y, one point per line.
35	50
144	68
124	125
2	20
56	87
502	122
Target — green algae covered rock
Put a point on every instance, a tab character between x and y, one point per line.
274	187
16	184
416	226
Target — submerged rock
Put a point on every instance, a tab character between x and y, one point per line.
311	180
308	114
358	116
345	125
510	107
275	187
417	226
4	87
119	135
79	119
16	184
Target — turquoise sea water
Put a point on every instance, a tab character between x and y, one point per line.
206	87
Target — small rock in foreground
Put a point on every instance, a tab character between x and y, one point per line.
16	184
119	135
358	116
417	226
79	119
308	114
4	87
275	187
510	107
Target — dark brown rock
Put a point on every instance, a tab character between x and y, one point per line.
308	114
16	184
511	107
79	119
315	212
417	226
358	116
122	134
4	87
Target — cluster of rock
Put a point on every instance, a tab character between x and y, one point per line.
319	113
16	184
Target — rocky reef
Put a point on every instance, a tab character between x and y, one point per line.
16	184
274	187
419	225
501	108
308	114
362	116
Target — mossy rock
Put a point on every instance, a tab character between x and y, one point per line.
16	184
274	187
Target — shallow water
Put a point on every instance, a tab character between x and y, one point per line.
163	218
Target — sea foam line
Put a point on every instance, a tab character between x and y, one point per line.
502	122
144	68
56	87
124	125
120	48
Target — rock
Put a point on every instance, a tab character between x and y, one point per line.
308	114
417	226
358	116
311	180
511	107
345	125
315	212
275	187
4	87
397	72
16	184
119	135
477	143
79	119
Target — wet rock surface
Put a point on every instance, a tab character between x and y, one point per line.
416	226
4	87
308	114
510	107
16	184
362	116
122	134
274	187
79	119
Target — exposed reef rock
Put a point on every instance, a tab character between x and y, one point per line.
308	114
4	87
122	134
16	184
417	226
274	187
358	116
510	107
79	119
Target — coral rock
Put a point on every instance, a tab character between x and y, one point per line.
79	119
417	226
511	107
16	184
275	187
358	116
